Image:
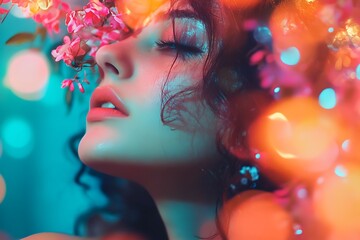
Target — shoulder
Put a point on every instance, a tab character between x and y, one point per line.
54	236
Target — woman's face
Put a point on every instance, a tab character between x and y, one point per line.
138	74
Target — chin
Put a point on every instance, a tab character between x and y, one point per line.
96	146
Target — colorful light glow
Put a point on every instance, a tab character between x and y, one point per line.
358	72
240	4
345	145
2	189
262	35
138	12
337	198
340	171
290	56
18	137
301	193
255	215
28	74
297	229
343	235
19	13
327	98
286	132
294	24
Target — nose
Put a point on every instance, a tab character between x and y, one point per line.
115	61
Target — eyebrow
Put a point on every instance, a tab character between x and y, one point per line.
183	13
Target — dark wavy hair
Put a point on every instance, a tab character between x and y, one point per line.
227	79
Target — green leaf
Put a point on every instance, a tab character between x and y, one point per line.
20	38
42	32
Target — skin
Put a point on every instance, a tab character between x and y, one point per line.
136	68
168	160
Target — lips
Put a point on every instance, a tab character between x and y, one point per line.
103	95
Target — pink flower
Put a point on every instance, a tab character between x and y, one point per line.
74	21
46	12
49	19
93	15
22	3
102	36
68	51
68	83
116	21
81	88
3	10
95	12
97	8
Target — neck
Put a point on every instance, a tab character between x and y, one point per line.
185	195
187	220
186	183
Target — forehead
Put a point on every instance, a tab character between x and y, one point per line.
210	12
199	7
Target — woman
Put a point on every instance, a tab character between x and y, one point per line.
164	114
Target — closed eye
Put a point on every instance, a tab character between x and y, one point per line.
184	51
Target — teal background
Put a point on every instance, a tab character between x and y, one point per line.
41	193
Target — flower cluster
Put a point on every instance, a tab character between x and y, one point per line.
46	12
96	25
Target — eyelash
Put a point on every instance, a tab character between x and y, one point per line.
184	51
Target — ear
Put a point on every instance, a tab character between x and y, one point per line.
244	109
235	144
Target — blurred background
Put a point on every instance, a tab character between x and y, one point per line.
37	169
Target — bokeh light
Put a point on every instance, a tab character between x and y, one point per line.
240	4
327	98
290	56
2	189
358	72
256	215
340	171
286	132
341	235
137	13
18	12
262	35
294	42
297	229
17	137
345	145
28	74
337	198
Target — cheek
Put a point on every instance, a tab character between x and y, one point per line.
158	75
143	138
